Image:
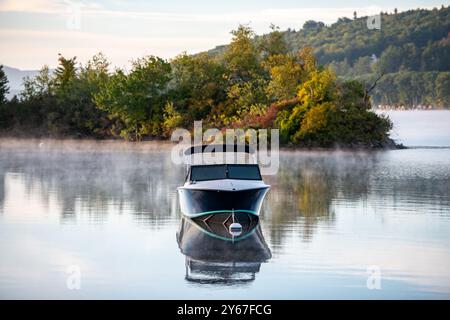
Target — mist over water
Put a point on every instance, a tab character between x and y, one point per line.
111	208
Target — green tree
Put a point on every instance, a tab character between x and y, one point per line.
83	116
307	59
39	86
65	72
274	43
286	73
241	56
136	99
390	60
313	25
198	84
242	96
172	119
342	119
4	89
319	88
443	89
362	65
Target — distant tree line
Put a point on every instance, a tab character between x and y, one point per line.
412	48
411	89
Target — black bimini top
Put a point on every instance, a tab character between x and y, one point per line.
205	148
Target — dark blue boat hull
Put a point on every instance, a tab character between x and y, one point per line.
196	203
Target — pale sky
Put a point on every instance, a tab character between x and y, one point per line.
33	32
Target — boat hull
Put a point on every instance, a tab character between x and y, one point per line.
197	202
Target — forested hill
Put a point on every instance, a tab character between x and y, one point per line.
412	50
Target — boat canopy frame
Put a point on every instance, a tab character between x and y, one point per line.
213	148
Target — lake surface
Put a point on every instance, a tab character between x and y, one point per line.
421	128
102	220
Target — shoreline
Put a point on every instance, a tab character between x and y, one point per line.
62	140
400	109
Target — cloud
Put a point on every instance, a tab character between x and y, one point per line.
124	35
45	6
31	49
38	6
291	15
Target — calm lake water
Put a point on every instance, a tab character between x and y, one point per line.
363	225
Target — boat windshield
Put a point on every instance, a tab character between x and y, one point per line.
225	171
244	172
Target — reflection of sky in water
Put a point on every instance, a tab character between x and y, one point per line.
328	216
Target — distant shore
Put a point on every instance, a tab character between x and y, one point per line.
44	141
407	108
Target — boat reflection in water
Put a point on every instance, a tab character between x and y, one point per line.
217	254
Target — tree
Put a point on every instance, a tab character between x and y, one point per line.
36	107
307	59
83	115
136	99
362	65
242	96
443	89
341	68
342	118
286	73
39	86
313	25
241	56
318	88
65	72
4	89
274	43
390	60
435	56
171	119
197	84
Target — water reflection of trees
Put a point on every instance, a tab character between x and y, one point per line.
308	183
93	183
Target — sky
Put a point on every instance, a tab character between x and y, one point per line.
33	32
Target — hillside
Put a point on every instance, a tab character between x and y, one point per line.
15	79
412	50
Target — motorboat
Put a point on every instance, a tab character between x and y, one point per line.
214	255
231	189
